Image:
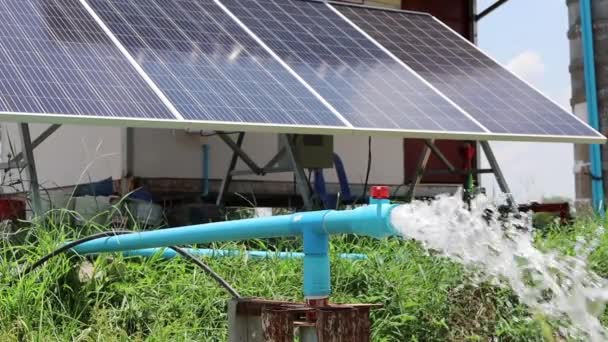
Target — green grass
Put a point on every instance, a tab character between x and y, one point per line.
425	298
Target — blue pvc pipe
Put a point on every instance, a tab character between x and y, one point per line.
166	253
597	184
372	220
205	170
315	227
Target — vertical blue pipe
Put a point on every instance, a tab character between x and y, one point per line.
205	170
317	283
597	184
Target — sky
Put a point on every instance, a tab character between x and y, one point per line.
529	38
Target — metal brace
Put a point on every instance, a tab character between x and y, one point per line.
269	167
429	146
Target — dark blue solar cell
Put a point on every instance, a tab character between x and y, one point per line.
487	91
366	85
208	66
54	59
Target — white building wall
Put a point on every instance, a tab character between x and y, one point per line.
72	155
176	154
77	154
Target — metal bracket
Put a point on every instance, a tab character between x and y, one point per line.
269	167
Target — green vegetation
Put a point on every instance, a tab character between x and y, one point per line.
425	298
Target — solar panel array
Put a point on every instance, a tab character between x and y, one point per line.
368	87
490	93
54	59
208	66
287	65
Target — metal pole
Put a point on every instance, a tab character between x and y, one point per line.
30	168
500	178
301	180
490	9
228	178
420	167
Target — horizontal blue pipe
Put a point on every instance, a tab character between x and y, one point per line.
372	220
167	253
315	228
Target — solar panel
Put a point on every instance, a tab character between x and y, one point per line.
367	86
487	91
56	61
209	68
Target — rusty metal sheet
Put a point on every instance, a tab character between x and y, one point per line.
277	325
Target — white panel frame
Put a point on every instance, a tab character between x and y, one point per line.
277	128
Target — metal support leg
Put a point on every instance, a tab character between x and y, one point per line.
228	178
27	151
301	182
240	153
274	159
417	177
440	155
500	178
16	160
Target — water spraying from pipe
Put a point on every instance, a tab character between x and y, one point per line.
561	287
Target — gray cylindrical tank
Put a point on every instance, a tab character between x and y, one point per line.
600	35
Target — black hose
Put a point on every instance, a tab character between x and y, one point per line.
198	262
69	246
221	281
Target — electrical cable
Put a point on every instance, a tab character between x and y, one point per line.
210	272
369	167
221	281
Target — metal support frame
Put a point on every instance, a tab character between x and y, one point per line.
27	153
15	161
500	178
301	180
430	147
420	168
490	9
288	149
235	157
440	155
236	148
